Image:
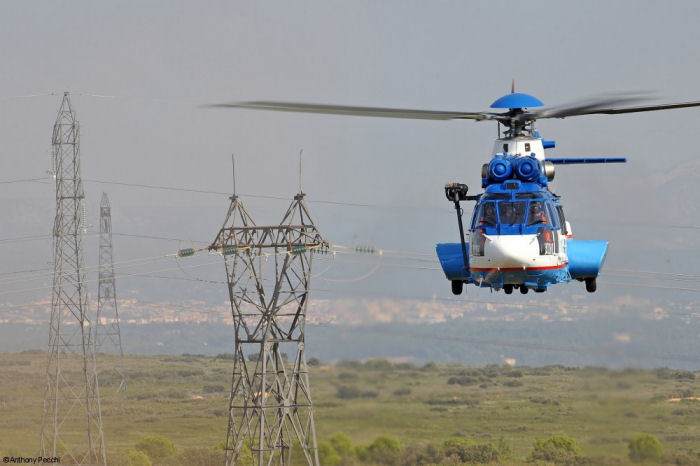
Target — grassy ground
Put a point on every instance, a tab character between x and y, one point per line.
185	399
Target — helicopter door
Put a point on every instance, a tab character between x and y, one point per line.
539	215
545	236
553	216
477	242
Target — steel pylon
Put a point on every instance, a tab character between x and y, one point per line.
107	334
268	271
71	422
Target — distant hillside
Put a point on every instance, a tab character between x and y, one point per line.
613	341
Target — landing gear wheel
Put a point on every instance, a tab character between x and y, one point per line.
523	289
457	286
591	285
508	289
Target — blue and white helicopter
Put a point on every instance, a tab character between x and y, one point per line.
518	237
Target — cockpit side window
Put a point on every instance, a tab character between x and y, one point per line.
536	214
553	218
560	209
511	213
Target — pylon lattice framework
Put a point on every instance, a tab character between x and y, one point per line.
268	272
107	334
71	420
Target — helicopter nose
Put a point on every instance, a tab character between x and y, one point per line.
511	251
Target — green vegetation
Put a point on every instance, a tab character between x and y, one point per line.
157	448
645	447
137	458
378	413
558	449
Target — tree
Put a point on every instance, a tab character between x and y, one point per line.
327	454
136	458
422	455
342	444
384	450
557	449
467	451
645	447
156	447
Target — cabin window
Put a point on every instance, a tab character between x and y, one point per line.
545	237
527	147
477	243
511	213
536	214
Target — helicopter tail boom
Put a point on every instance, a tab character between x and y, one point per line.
587	160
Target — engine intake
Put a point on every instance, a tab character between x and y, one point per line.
527	168
500	169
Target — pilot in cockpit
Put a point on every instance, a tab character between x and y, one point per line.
536	215
489	217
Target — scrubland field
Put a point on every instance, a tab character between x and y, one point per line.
377	412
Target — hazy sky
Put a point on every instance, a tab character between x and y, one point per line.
139	71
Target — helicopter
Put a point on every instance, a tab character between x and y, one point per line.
518	236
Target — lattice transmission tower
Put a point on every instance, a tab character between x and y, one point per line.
71	421
107	334
268	271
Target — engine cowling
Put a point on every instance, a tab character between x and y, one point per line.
527	168
500	169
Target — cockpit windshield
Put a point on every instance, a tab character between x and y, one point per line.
511	213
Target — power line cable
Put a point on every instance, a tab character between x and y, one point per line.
221	193
25	180
119	276
26	96
348	250
342	203
118	265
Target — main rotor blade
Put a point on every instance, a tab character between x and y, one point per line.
359	111
650	108
602	106
583	107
